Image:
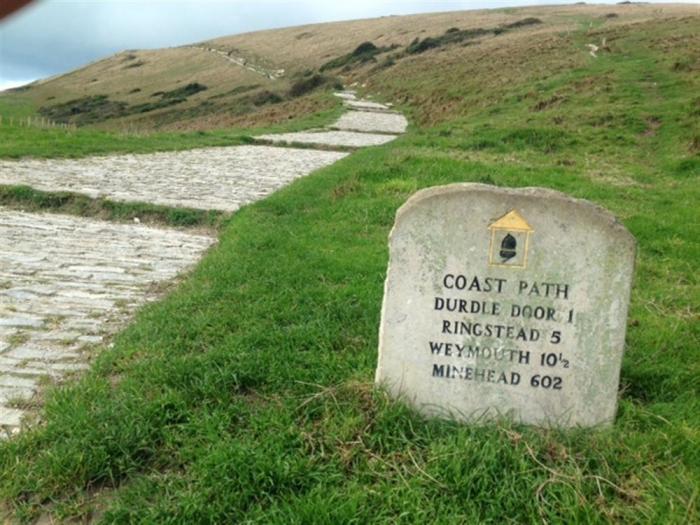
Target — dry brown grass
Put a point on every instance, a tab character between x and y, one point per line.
312	45
266	116
495	64
160	70
491	62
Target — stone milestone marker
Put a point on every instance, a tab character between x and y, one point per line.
506	302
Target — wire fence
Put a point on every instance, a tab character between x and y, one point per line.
126	129
35	122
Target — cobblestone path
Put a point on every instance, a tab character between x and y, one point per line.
366	124
223	178
369	121
68	282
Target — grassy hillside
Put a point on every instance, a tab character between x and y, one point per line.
21	138
247	396
267	77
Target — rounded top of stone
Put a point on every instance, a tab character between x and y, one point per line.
595	211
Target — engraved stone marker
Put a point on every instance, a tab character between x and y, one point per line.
506	302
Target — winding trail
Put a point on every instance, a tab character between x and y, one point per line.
68	283
272	74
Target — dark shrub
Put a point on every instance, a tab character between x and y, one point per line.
364	48
266	97
307	85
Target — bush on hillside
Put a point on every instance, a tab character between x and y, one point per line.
365	52
455	35
85	110
307	85
266	97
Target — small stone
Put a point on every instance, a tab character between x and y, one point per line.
10	417
15	381
18	321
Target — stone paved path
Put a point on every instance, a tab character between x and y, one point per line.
223	178
330	138
368	121
366	124
272	74
67	282
366	105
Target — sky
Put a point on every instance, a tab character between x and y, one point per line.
55	36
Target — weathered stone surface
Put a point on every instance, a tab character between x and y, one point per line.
346	95
506	302
348	139
66	282
210	179
368	121
366	105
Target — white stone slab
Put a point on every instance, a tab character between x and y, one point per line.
346	95
348	139
211	179
505	302
371	121
366	105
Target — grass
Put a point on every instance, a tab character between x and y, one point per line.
18	141
29	199
246	395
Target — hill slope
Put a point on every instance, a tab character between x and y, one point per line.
248	79
247	395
